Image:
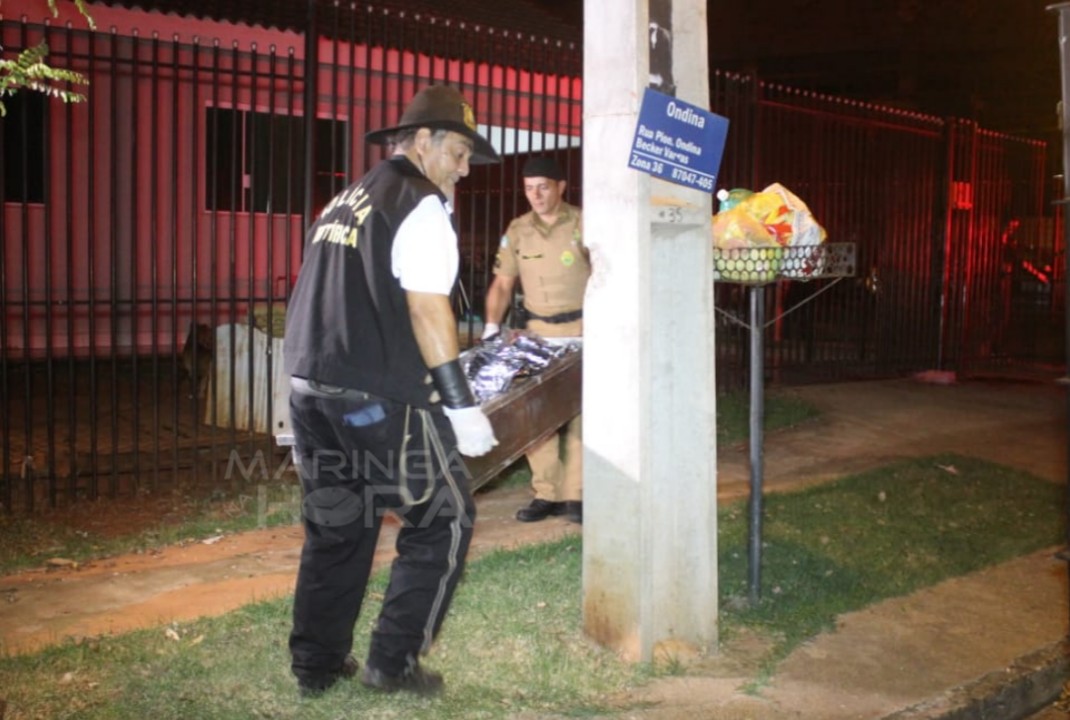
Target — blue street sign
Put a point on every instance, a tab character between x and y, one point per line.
678	141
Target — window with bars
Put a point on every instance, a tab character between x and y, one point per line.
24	147
255	161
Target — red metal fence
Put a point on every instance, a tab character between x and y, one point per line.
175	197
956	243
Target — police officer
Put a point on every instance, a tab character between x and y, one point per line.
380	406
544	249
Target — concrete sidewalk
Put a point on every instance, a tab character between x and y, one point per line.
988	645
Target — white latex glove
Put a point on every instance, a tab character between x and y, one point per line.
475	436
490	330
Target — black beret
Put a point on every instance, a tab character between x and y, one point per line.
540	166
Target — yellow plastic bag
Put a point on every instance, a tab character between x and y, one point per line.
736	228
800	233
801	227
745	251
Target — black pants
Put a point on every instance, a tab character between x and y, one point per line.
355	464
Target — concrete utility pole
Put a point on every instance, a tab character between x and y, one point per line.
650	487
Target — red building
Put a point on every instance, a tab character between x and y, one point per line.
177	191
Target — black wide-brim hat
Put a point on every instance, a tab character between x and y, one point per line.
440	107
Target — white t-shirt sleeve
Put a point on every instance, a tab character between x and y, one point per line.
425	256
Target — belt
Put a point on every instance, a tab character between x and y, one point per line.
557	319
323	390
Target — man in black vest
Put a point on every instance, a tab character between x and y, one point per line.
380	406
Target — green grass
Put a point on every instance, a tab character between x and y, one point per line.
512	645
516	475
31	541
512	642
838	547
782	410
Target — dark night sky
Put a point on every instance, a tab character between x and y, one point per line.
995	61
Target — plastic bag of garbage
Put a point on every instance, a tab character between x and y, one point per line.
803	228
737	228
744	249
798	230
770	210
728	199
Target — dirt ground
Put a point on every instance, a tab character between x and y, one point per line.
862	425
50	605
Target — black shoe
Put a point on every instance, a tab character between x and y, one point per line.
319	684
413	679
539	509
574	511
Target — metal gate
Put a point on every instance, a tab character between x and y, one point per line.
956	244
177	197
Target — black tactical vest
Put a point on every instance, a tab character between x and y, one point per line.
348	323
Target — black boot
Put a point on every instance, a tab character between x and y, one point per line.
315	686
414	679
539	509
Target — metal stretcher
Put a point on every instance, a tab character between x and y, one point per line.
532	409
